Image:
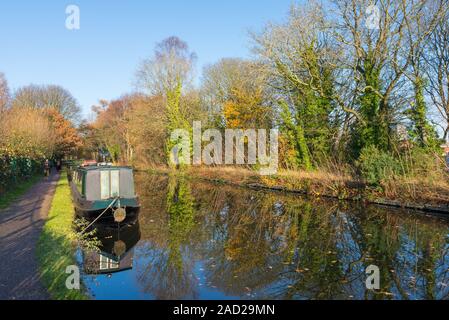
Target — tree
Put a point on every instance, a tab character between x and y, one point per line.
132	129
299	59
171	65
437	71
168	73
375	61
68	140
419	29
147	130
111	127
50	96
26	134
4	93
237	94
90	145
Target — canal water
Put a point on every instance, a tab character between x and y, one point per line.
196	240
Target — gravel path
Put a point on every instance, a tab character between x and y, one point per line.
20	227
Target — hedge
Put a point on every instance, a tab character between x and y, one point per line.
16	170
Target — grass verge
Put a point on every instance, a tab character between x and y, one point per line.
56	249
10	196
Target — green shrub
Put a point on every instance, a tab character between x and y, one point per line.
376	166
16	170
424	164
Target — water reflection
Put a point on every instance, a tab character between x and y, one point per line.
168	269
116	251
203	241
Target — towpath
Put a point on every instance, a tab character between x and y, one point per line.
20	227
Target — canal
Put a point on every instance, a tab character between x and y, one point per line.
197	240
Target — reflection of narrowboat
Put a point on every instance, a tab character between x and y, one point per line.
104	191
116	250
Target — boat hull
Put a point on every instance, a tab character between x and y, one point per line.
132	214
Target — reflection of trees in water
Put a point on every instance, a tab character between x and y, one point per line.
168	271
181	221
280	246
246	252
269	246
285	247
397	244
424	257
282	249
316	271
164	280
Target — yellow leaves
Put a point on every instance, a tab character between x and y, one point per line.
245	109
35	133
67	137
233	116
26	133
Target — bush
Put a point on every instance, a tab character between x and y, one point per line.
16	170
423	162
376	166
424	165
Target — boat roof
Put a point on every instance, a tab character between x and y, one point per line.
93	168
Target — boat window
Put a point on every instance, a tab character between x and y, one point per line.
79	182
110	184
105	184
115	183
107	263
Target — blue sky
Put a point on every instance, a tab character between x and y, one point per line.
99	60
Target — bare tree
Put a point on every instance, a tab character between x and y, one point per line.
437	72
366	64
170	66
301	63
50	96
382	60
168	73
4	93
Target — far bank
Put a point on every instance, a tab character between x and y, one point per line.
426	195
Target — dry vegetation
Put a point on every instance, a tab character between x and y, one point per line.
405	191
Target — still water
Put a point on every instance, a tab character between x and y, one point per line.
196	240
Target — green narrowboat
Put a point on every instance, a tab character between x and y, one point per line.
104	194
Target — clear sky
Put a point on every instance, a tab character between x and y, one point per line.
99	60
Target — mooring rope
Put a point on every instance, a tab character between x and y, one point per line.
110	205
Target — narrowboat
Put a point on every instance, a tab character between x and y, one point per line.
104	194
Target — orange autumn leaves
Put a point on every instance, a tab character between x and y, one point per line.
67	138
245	109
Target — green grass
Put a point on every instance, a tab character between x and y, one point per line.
10	196
56	248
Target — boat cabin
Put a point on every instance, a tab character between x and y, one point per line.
99	188
103	183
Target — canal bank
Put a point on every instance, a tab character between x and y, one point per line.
20	227
56	247
413	195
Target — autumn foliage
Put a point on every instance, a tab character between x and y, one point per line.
131	129
67	138
26	133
